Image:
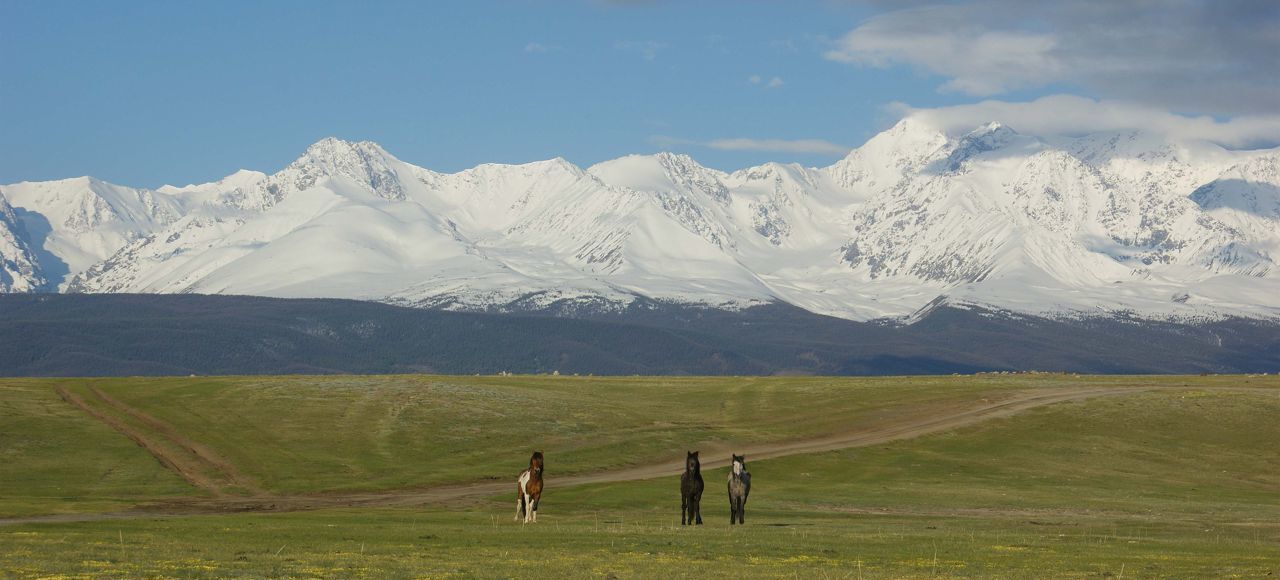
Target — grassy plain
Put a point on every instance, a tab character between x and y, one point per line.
1178	478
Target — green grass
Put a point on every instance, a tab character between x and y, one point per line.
370	433
1180	483
54	458
1194	452
405	543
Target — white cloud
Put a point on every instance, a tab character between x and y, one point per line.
536	47
793	146
1214	57
772	83
647	49
815	146
979	61
1070	115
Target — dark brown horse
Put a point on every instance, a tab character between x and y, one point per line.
739	488
529	490
691	491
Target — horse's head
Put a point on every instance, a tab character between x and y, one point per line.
739	464
691	462
535	462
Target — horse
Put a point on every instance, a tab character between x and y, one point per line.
529	490
739	489
691	491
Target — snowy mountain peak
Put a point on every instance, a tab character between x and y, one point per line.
333	149
336	156
910	127
504	179
364	162
768	171
1127	146
665	162
244	176
666	173
241	179
992	132
73	223
19	268
557	165
989	137
1120	221
678	162
1247	194
883	160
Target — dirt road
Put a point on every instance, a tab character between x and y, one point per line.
201	466
193	460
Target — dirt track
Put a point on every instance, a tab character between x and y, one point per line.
197	464
222	472
932	420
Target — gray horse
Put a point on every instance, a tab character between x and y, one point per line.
739	489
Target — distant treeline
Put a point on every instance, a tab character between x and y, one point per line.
117	334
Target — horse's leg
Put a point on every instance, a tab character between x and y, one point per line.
536	499
519	506
697	510
684	507
528	507
733	511
742	510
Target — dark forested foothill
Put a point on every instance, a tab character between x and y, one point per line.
98	335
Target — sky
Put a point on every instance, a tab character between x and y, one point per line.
146	93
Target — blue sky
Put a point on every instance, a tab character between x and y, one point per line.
147	93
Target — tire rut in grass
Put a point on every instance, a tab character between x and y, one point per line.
192	461
230	476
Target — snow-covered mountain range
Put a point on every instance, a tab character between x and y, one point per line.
1095	224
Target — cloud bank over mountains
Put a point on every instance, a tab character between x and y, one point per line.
1072	116
1216	58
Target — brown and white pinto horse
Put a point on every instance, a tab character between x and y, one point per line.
529	490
